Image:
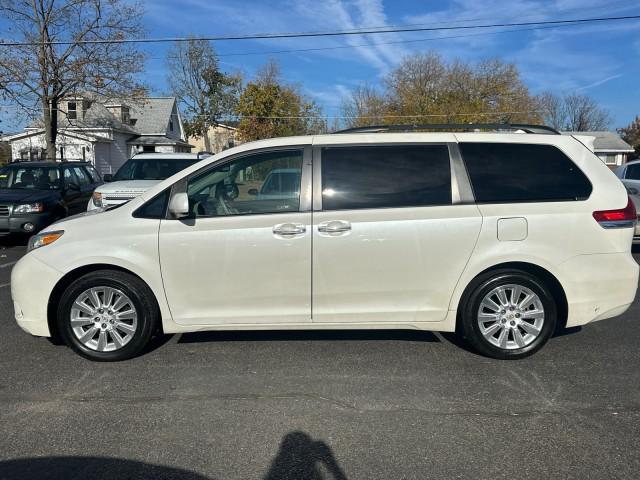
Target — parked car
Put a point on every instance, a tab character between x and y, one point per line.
499	236
137	175
629	173
35	194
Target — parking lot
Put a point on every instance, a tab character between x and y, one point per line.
356	405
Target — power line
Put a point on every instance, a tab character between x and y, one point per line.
272	36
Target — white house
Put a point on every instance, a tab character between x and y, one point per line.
106	133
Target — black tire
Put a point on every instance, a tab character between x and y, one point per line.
480	288
140	295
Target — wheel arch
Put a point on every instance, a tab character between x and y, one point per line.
70	277
548	278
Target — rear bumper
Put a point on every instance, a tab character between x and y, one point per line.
32	282
598	286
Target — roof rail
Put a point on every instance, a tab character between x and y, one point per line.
453	126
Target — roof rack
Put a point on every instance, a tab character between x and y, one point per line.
544	129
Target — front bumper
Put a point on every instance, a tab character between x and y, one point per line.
32	282
21	223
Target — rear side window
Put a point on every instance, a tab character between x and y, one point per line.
633	172
512	172
385	177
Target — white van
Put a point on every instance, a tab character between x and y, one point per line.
139	174
500	236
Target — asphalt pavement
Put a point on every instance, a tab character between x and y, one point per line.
320	405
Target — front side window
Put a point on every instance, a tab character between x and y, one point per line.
93	173
514	172
37	178
256	184
385	177
82	176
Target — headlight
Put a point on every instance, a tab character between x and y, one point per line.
43	239
97	199
29	208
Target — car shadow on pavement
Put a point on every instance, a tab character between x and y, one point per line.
307	335
8	241
95	468
299	457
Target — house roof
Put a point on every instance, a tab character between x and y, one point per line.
79	134
606	141
152	114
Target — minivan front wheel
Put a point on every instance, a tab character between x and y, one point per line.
508	314
107	315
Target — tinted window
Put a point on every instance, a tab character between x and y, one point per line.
385	176
69	177
151	168
508	172
95	177
261	183
82	176
154	208
633	172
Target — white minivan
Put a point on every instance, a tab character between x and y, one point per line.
502	236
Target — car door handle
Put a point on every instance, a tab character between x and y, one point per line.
287	229
334	226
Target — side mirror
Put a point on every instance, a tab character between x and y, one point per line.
179	205
253	191
107	177
73	186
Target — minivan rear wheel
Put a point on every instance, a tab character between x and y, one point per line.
508	314
107	315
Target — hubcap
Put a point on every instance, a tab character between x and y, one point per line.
511	316
103	319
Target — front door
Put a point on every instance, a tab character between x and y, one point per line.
389	243
244	255
74	197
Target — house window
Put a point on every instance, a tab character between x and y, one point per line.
61	153
148	149
84	153
72	113
608	158
171	125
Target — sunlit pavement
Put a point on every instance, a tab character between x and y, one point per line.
356	405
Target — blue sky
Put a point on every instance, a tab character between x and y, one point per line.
601	60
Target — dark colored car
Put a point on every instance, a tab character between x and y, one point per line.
33	195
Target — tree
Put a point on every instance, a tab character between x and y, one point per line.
268	108
365	107
573	112
204	92
631	135
424	88
38	73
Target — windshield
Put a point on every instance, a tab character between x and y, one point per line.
30	177
151	168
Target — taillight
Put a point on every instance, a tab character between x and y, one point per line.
622	218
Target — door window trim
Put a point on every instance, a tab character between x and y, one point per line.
305	180
461	192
